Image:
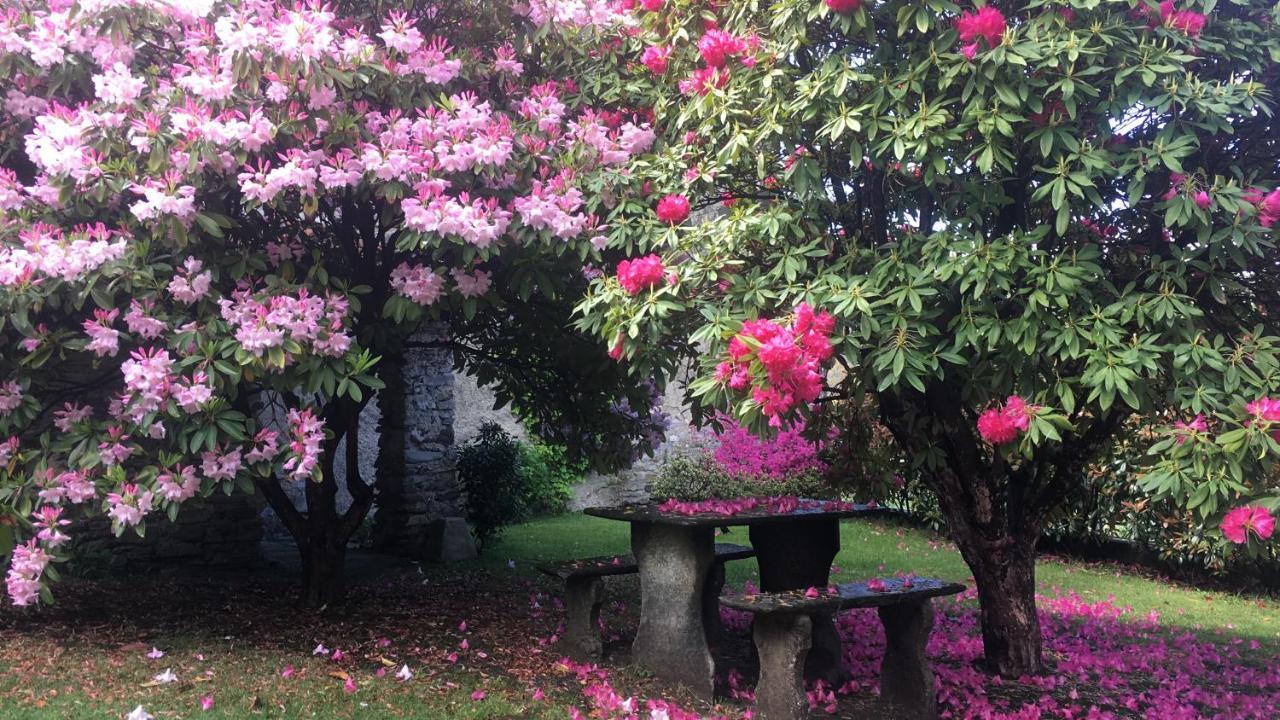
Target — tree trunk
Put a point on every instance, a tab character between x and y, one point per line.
392	518
1005	574
323	579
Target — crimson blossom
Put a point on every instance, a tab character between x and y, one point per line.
218	216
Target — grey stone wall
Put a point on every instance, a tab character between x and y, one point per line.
473	406
420	513
632	484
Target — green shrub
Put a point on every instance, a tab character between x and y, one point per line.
548	478
701	478
487	470
508	481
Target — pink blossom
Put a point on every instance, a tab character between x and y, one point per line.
127	507
783	455
1269	208
791	356
987	23
1003	425
219	467
116	86
141	323
996	427
1238	523
673	209
265	446
179	485
190	284
655	58
717	47
1185	430
704	80
26	567
640	274
419	284
10	398
844	7
305	447
473	284
103	339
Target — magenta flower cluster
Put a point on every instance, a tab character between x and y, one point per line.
785	454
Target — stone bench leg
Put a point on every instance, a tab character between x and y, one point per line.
581	639
906	683
783	642
711	603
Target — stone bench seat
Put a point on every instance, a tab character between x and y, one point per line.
783	630
581	638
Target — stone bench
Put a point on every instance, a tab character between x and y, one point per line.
581	638
783	630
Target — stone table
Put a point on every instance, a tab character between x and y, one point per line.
675	549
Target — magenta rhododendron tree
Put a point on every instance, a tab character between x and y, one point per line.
1018	226
217	216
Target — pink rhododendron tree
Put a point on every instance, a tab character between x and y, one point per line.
1018	227
219	213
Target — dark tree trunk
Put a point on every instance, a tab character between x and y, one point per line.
321	533
1005	574
323	577
392	517
993	512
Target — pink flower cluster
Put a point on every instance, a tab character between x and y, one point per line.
148	379
306	433
1002	425
554	206
1268	205
716	48
655	58
1187	22
479	222
1247	520
189	284
987	24
10	398
786	454
1264	410
104	340
420	284
313	322
772	505
129	506
1187	430
178	485
673	209
791	357
49	252
640	274
26	567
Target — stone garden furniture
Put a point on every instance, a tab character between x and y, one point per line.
581	638
674	551
782	635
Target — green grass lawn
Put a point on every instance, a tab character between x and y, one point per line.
874	548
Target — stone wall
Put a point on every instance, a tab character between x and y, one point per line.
420	513
632	484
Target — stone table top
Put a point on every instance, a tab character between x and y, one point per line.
807	509
845	596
